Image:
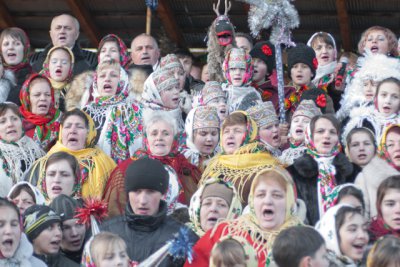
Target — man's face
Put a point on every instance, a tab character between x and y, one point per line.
144	51
145	201
243	43
186	63
63	31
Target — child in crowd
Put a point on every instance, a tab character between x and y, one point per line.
212	95
385	252
238	70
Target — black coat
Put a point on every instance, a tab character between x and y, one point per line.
144	235
304	171
57	260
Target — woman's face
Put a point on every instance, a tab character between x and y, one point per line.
324	52
393	146
116	257
107	81
40	97
109	52
233	137
170	97
60	179
353	236
12	50
369	87
23	201
298	127
206	140
361	148
74	133
10	126
59	65
212	209
388	98
220	104
10	231
390	208
377	42
49	240
270	135
237	76
160	137
325	136
270	204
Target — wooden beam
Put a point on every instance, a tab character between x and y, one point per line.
6	19
85	20
344	25
167	17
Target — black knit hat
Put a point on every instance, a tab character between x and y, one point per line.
37	218
318	96
146	174
302	54
266	52
65	206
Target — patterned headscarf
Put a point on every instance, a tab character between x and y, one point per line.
238	58
382	149
124	58
47	127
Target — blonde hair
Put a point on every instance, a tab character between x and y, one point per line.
103	243
385	252
392	39
229	252
108	64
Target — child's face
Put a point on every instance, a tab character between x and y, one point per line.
237	76
260	70
220	104
320	258
298	127
361	148
59	65
325	53
109	51
107	81
49	240
353	236
377	42
115	258
206	140
369	89
390	208
179	74
12	50
301	74
170	97
270	135
388	98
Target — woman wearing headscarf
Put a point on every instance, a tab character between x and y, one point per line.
41	117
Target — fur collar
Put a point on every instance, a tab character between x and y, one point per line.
6	82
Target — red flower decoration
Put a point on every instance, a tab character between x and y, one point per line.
266	95
321	101
266	50
92	206
288	104
315	63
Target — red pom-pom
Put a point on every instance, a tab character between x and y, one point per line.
92	206
266	50
321	101
315	63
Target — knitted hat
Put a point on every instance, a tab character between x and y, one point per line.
263	114
318	96
65	207
212	90
307	108
237	58
37	218
146	173
302	54
163	80
266	52
170	61
218	190
206	117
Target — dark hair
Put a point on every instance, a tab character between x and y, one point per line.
295	243
72	161
183	52
361	130
341	217
7	203
75	112
324	38
387	80
22	187
234	119
17	34
228	252
386	251
352	191
107	39
4	107
329	117
392	182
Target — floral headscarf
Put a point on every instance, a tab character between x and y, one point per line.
47	127
235	209
382	149
46	71
124	58
326	169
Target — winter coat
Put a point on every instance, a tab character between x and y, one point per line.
144	235
57	260
369	180
23	256
20	77
84	60
7	83
304	171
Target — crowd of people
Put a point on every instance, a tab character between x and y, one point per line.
144	145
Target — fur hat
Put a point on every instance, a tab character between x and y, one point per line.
37	218
266	52
318	96
65	206
163	80
263	114
307	108
146	173
302	54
